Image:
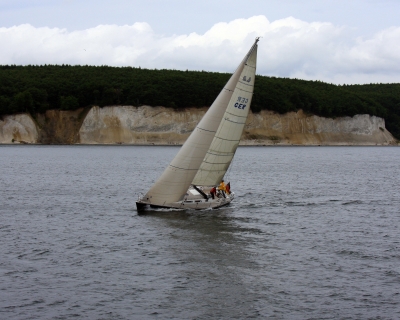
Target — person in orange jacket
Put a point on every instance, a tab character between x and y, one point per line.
222	187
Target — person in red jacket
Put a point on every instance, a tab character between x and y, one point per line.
212	192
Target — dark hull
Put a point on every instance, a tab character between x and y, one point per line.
141	207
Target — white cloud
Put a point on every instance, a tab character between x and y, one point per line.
289	48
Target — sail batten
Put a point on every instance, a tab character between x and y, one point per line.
235	115
235	121
224	139
219	155
216	162
245	84
181	168
205	129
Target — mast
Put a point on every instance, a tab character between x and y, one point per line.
178	176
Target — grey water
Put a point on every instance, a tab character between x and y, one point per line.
312	234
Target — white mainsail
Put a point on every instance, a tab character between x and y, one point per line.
226	140
178	176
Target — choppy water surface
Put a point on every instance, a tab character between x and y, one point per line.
313	234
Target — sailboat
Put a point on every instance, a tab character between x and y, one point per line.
204	158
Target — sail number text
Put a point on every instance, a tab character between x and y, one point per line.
241	103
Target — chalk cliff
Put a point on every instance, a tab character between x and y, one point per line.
19	128
159	125
298	128
143	125
147	125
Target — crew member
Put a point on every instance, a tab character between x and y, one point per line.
222	187
212	192
228	188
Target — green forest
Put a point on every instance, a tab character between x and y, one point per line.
35	89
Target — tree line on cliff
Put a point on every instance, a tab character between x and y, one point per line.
35	89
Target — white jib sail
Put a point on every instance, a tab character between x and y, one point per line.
226	140
178	176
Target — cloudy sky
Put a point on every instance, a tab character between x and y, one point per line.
337	41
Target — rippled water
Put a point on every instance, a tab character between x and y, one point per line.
313	234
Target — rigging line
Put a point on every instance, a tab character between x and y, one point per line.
230	167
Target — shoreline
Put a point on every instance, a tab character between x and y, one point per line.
180	145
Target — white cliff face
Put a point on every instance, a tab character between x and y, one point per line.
143	125
269	127
159	125
18	128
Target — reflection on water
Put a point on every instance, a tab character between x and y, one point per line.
313	233
210	260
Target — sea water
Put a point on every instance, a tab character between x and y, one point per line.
313	233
